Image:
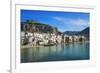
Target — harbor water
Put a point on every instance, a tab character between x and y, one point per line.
60	52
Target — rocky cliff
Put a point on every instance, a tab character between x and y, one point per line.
33	26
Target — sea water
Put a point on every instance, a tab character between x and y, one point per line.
59	52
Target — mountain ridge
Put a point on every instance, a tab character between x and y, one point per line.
84	32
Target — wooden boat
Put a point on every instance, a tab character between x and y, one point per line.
52	44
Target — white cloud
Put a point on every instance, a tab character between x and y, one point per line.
71	21
79	22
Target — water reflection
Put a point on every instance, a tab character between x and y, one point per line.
69	51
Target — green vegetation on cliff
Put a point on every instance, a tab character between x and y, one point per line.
34	26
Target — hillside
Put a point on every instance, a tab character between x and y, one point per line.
71	32
84	32
33	26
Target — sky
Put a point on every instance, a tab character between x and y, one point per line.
64	21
